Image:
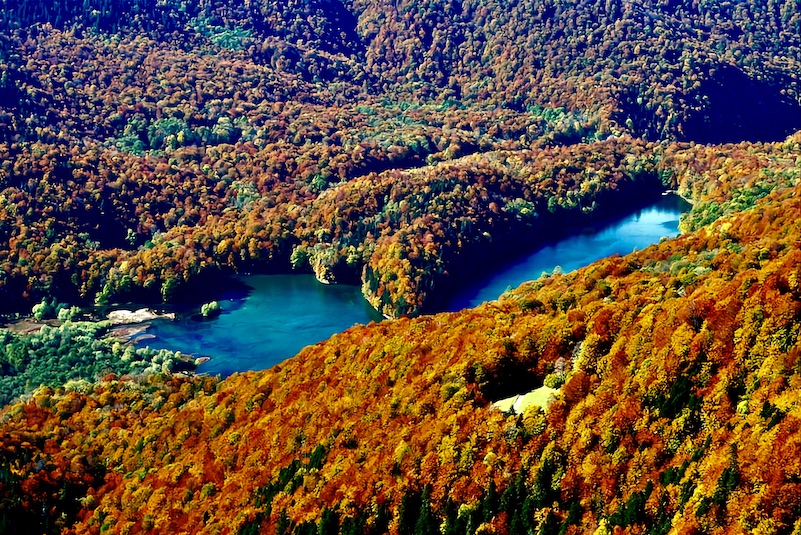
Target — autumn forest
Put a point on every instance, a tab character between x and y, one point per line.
150	149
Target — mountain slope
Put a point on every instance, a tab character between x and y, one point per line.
174	141
679	373
147	151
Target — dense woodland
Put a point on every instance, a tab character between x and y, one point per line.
678	369
151	147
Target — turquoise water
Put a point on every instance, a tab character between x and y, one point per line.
277	316
274	316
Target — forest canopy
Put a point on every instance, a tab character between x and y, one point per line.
149	148
676	371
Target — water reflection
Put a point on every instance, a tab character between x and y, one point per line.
622	236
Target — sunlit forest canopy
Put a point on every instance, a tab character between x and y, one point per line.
150	149
377	143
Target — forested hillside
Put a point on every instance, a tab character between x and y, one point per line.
677	375
151	148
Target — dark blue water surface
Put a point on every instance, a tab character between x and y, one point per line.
588	244
275	316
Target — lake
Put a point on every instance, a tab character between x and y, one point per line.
638	230
271	320
272	317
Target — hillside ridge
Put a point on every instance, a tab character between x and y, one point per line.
700	332
151	148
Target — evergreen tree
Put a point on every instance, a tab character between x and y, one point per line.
427	523
489	506
408	513
329	522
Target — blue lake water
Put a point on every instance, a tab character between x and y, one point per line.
619	236
277	315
